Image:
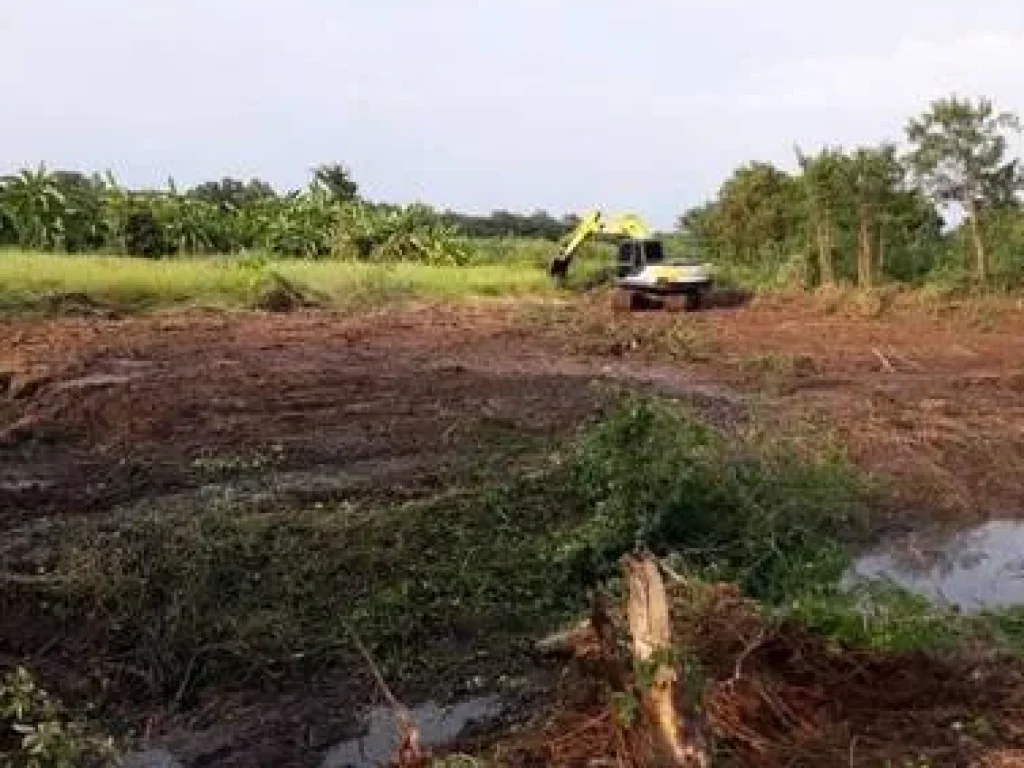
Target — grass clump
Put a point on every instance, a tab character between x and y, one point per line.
875	615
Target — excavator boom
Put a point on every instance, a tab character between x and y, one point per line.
628	225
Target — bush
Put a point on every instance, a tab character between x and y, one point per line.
143	236
759	514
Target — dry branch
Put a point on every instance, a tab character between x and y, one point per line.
408	754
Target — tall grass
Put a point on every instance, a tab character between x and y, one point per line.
31	282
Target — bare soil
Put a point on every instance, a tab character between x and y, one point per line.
104	413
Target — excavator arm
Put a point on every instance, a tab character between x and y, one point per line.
628	225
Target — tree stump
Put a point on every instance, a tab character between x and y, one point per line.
650	629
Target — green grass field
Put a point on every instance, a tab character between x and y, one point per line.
38	283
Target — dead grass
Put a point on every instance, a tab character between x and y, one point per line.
590	327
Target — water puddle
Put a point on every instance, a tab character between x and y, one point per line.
437	726
971	569
150	758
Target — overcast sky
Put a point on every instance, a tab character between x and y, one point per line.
641	105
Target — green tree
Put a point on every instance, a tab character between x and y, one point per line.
232	194
337	180
960	155
701	225
827	181
758	210
85	225
756	215
877	178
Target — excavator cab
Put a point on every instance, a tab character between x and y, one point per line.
635	254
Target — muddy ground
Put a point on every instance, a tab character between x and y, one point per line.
108	414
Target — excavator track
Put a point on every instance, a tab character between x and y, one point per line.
676	303
623	300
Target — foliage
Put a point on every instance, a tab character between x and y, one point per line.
394	234
827	180
760	514
755	216
35	731
539	224
35	205
873	614
336	181
868	214
960	156
65	211
233	195
960	152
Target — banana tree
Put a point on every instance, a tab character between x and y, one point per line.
304	225
38	208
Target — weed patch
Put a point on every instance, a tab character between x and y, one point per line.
229	593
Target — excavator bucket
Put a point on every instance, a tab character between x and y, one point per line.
559	268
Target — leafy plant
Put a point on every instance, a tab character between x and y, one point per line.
35	731
412	233
35	204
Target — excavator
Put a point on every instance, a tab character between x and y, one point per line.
643	277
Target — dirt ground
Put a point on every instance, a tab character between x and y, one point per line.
101	413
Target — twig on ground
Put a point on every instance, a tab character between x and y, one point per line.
886	365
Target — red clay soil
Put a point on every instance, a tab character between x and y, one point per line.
103	411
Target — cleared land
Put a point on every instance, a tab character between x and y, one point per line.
259	484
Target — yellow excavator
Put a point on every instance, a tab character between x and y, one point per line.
643	277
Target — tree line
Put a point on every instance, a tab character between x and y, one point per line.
73	212
874	212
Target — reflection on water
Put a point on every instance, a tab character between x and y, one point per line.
974	569
437	726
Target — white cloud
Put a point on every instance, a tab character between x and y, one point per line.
907	76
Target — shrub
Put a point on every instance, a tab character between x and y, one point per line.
760	514
143	236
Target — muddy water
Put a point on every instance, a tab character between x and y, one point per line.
437	726
974	569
